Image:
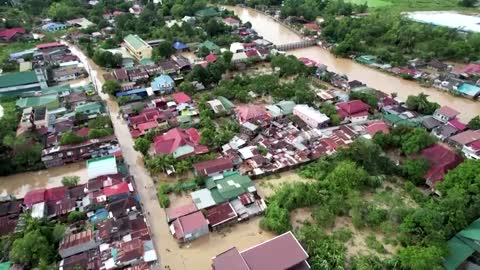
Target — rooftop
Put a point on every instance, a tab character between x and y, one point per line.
136	42
18	78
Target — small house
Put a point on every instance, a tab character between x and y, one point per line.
232	22
137	47
180	46
445	114
189	227
353	111
441	159
212	167
53	27
310	116
77	243
163	83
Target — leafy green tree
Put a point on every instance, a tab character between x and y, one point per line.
76	216
30	249
467	3
417	140
474	123
107	59
110	87
142	145
99	132
70	181
368	97
415	169
70	137
421	258
102	121
163	50
331	112
276	219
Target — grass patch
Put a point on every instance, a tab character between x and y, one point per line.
371	3
343	235
412	5
374	244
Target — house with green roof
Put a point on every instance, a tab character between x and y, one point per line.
101	166
222	189
50	101
227	104
14	84
91	109
207	12
367	59
212	47
462	247
137	47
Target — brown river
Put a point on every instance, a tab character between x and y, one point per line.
279	34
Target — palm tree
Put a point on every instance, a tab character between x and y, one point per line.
422	102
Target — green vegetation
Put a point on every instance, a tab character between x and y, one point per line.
17	153
474	123
421	104
111	87
312	9
70	137
396	39
409	140
76	216
107	59
36	246
162	195
142	145
70	181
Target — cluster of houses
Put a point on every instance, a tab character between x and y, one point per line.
228	197
47	64
112	235
461	81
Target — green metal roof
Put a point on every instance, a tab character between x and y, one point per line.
135	41
40	101
229	187
18	78
146	62
286	106
56	89
183	150
206	12
209	45
89	107
226	103
5	265
458	252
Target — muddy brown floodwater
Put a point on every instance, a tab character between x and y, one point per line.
19	184
279	34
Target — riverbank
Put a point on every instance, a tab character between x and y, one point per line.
279	34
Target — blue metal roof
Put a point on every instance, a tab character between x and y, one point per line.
131	92
179	45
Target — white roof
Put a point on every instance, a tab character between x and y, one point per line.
125	54
239	56
150	256
202	198
236	46
101	166
311	113
246	152
449	19
38	210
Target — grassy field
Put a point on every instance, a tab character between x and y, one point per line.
410	5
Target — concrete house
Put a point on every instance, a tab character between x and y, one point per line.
310	116
189	227
137	47
445	114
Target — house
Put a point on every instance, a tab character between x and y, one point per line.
137	47
445	131
468	70
221	215
77	243
168	66
51	102
180	46
216	106
90	110
281	252
50	46
211	47
465	138
181	97
441	159
377	127
437	65
176	212
67	74
463	249
34	197
81	23
121	75
445	114
211	58
212	167
138	74
163	83
251	113
431	123
189	227
53	27
179	142
13	34
206	13
101	166
13	84
310	116
232	22
353	111
472	150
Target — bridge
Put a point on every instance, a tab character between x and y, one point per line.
296	45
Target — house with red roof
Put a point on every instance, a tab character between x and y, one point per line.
12	34
353	111
179	143
232	22
181	97
311	26
281	252
376	127
50	46
212	167
445	114
472	150
55	194
176	212
211	58
307	61
189	227
221	215
441	159
118	189
34	196
251	113
468	70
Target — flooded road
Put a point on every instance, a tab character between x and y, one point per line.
279	34
19	184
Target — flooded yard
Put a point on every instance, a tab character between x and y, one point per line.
19	184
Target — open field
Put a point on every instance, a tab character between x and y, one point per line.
410	5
